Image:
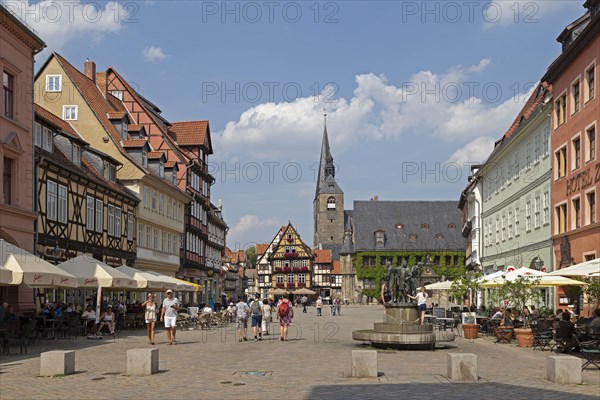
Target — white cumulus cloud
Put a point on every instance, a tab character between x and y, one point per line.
474	152
438	106
153	54
251	226
59	22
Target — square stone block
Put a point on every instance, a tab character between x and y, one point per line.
364	363
142	361
58	362
462	367
563	369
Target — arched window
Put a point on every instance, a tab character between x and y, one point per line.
331	203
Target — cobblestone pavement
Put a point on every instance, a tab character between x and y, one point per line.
315	363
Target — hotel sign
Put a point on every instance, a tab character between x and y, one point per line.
583	179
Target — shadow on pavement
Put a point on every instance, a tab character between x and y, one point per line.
445	391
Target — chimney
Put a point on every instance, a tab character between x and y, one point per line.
376	198
89	69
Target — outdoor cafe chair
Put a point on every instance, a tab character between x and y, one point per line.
542	337
15	334
565	339
590	351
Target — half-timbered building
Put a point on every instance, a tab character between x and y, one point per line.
103	121
292	261
82	207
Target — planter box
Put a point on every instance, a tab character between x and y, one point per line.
471	331
304	269
287	269
524	337
290	255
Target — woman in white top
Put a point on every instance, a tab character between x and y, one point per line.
107	319
421	298
266	319
150	316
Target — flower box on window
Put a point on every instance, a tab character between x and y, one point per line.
280	284
301	284
278	269
290	255
290	240
287	269
304	269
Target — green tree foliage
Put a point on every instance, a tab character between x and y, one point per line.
251	257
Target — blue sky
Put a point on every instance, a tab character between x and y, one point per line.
414	87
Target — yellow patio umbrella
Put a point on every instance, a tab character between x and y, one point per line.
539	279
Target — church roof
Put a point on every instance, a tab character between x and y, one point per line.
330	187
326	168
408	225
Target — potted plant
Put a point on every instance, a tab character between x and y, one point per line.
465	285
520	291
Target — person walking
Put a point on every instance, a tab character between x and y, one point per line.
319	306
266	317
304	302
242	320
285	313
168	314
256	315
150	309
421	298
338	306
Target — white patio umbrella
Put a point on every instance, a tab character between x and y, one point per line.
5	276
31	270
588	268
94	273
144	279
542	279
444	285
173	283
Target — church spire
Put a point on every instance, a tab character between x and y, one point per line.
326	167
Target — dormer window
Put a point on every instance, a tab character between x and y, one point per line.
76	154
110	171
379	238
161	169
144	159
425	226
331	203
124	130
452	227
439	236
412	237
399	226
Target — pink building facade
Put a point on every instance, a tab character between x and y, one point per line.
18	46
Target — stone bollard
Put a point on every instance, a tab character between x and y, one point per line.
58	362
142	361
364	363
462	367
563	369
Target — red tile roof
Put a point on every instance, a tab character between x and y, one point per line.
155	154
170	164
134	143
261	249
117	115
189	133
322	256
532	103
56	121
336	268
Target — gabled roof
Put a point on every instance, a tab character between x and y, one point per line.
322	256
63	125
191	133
283	242
402	219
261	248
336	270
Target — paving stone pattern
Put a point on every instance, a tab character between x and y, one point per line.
315	363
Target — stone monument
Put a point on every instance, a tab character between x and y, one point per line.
400	328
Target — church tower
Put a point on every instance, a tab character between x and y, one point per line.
328	205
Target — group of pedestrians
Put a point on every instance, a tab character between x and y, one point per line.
260	312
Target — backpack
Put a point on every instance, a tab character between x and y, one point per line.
255	307
284	309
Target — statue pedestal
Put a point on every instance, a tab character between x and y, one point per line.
400	329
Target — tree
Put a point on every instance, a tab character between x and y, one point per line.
251	257
518	292
592	290
467	284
